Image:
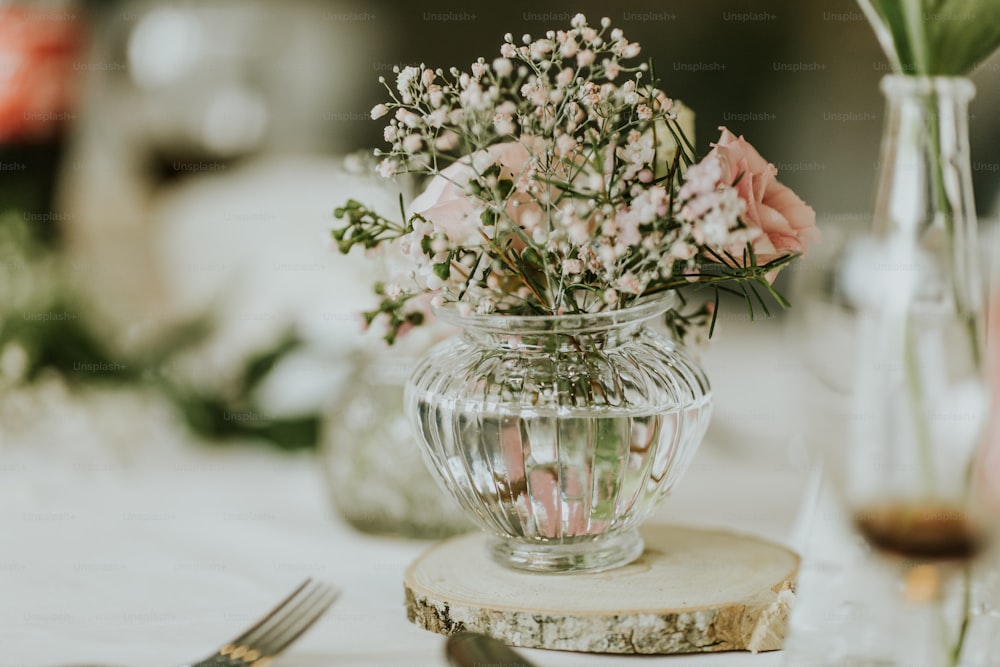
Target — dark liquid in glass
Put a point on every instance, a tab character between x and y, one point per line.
921	531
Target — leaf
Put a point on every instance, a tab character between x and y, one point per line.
442	270
715	314
935	37
531	258
259	366
760	299
749	300
289	433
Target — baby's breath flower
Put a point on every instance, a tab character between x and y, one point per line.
405	78
566	144
565	77
386	168
412	143
504	125
447	141
540	49
503	67
407	118
553	185
630	283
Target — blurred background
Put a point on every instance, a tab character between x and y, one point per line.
168	172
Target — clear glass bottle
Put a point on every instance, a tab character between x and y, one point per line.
920	378
904	417
559	435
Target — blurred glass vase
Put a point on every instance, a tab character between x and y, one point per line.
903	421
920	394
921	374
560	434
377	478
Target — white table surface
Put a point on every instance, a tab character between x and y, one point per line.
157	560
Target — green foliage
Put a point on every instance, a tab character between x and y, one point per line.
935	37
234	414
48	321
364	227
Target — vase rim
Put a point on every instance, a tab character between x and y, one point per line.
926	83
645	308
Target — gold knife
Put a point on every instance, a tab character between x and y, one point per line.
474	649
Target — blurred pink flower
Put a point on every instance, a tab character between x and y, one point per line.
788	223
989	464
447	204
38	50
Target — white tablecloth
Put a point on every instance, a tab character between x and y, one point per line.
158	560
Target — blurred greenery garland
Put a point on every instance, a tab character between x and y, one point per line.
46	328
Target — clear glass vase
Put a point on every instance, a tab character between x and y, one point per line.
920	381
376	476
901	422
559	435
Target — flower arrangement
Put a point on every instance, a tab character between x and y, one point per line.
562	181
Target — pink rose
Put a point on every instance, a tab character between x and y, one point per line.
557	503
788	223
450	207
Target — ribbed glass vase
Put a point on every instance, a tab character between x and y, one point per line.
559	435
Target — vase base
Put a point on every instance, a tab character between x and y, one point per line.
608	553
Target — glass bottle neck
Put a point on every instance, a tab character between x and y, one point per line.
926	177
924	208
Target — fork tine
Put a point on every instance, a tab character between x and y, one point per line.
278	638
281	626
278	608
288	613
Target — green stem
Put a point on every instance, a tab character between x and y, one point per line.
913	384
957	276
943	204
956	650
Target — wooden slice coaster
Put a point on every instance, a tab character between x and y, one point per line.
693	590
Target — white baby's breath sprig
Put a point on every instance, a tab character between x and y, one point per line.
561	180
